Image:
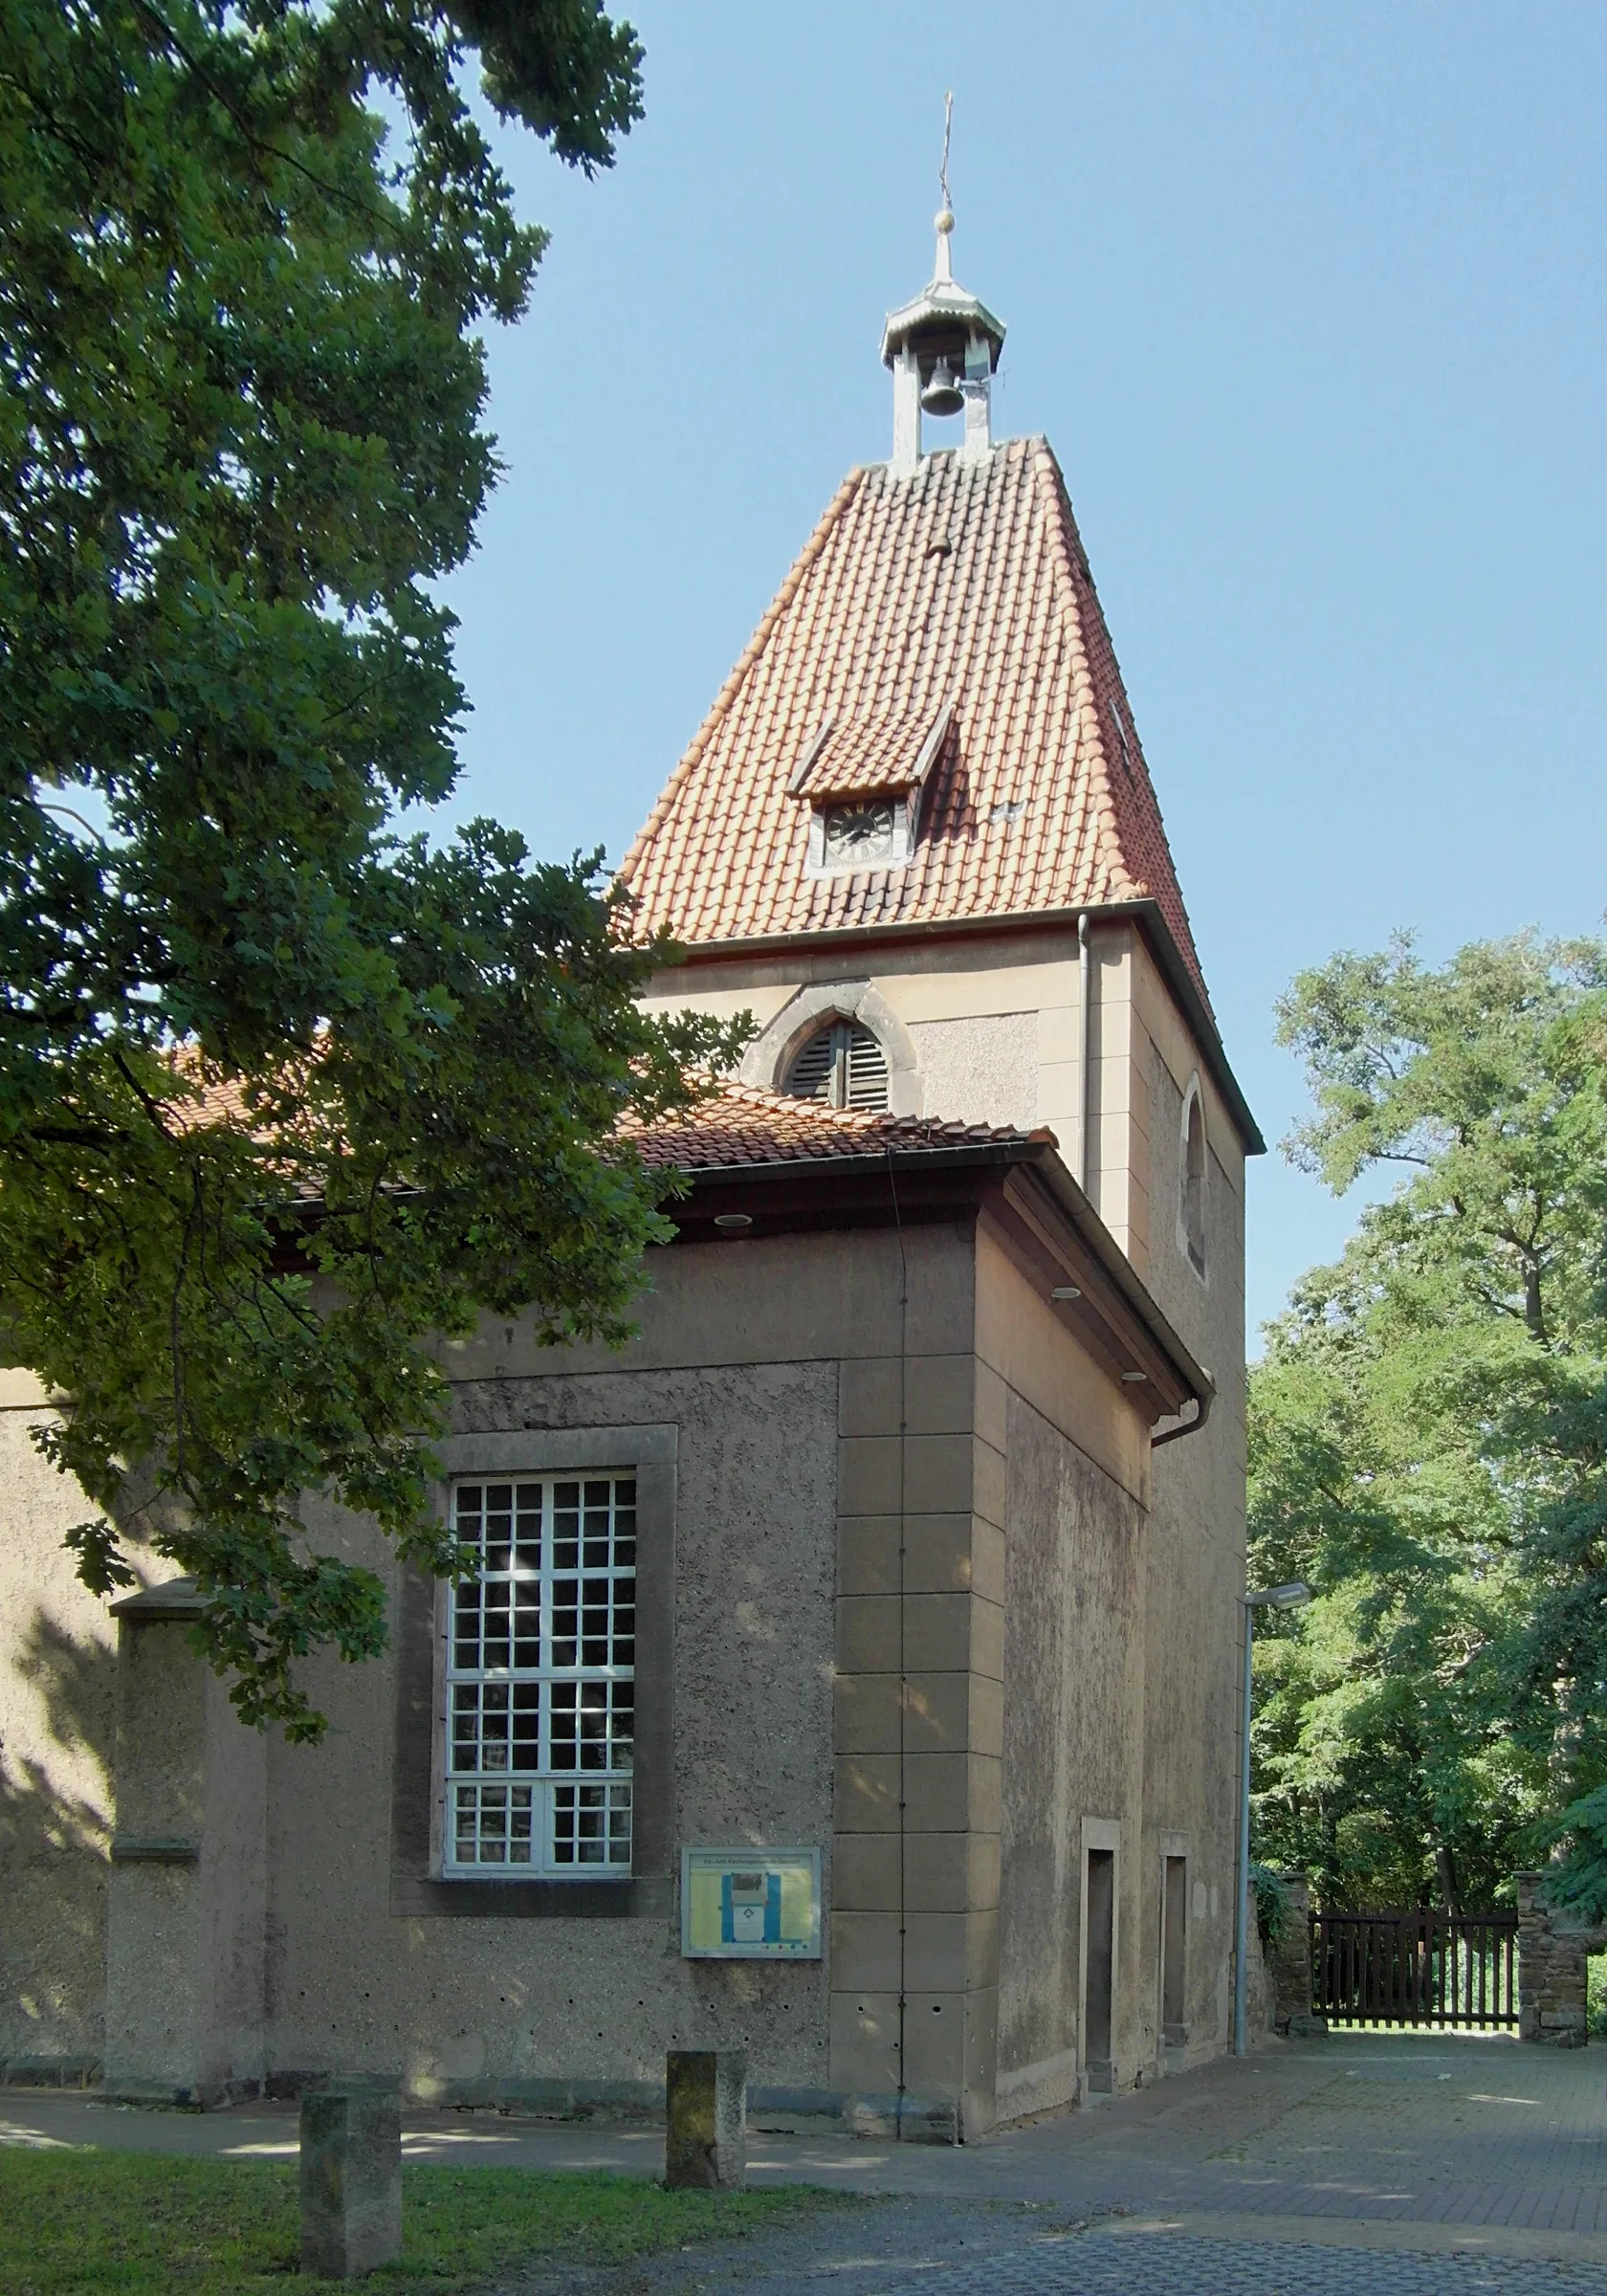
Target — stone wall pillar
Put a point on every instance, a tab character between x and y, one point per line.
185	1933
1290	1975
1554	1948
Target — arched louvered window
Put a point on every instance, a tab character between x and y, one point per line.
842	1064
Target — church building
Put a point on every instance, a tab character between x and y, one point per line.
852	1674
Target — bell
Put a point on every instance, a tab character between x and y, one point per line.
942	395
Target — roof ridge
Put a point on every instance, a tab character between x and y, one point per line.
1127	797
745	662
1087	735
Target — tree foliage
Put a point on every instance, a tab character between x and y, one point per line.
282	1092
1426	1431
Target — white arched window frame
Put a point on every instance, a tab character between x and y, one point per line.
1194	1164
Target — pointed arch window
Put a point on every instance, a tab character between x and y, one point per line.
842	1064
1191	1211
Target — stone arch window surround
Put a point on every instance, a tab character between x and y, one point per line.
1194	1165
769	1057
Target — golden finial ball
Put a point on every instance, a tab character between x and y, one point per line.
944	219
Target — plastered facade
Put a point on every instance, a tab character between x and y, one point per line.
58	1719
927	1600
997	1028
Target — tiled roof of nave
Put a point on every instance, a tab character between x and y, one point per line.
965	583
740	1124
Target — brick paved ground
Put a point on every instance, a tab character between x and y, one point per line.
956	2256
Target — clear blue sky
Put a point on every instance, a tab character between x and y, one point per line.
1308	300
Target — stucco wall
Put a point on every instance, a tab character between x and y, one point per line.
57	1682
1073	1728
504	2002
980	1070
1196	1559
994	1020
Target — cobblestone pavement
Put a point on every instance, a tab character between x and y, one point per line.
954	2256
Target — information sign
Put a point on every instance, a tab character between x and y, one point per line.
751	1905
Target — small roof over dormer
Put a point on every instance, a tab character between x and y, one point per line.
885	755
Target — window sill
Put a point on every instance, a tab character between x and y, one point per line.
630	1897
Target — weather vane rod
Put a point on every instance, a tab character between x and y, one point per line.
943	170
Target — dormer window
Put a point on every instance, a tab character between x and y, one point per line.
862	781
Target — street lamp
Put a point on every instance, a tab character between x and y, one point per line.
1271	1598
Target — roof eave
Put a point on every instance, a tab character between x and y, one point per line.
1048	1225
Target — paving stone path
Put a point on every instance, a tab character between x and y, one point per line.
1418	2165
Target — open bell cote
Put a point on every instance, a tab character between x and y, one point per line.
942	348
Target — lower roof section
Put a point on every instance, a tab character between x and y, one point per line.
755	1163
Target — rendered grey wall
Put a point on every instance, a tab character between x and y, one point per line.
456	2005
1073	1719
981	1068
1195	1573
58	1694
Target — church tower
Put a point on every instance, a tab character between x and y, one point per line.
916	838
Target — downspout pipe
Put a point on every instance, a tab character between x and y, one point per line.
1242	1916
1085	987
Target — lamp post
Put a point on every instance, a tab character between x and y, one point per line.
1272	1597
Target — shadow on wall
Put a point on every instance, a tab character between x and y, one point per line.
56	1724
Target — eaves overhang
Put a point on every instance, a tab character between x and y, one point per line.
1145	911
1030	1203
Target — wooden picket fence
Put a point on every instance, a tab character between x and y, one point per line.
1416	1969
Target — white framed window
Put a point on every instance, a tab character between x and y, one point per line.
540	1679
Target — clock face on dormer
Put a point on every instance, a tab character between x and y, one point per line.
859	832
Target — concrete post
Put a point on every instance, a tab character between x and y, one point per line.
351	2181
705	2142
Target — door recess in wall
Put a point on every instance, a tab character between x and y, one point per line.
1099	1902
1174	1951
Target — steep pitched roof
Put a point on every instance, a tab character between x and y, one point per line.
965	584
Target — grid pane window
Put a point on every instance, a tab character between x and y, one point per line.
541	1689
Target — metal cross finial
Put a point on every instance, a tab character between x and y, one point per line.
946	213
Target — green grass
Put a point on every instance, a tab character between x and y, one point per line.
78	2222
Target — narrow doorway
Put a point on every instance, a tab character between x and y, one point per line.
1100	1903
1174	1951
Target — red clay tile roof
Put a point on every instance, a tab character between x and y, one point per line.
740	1125
966	582
892	752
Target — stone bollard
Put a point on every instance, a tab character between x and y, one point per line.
351	2181
706	2099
